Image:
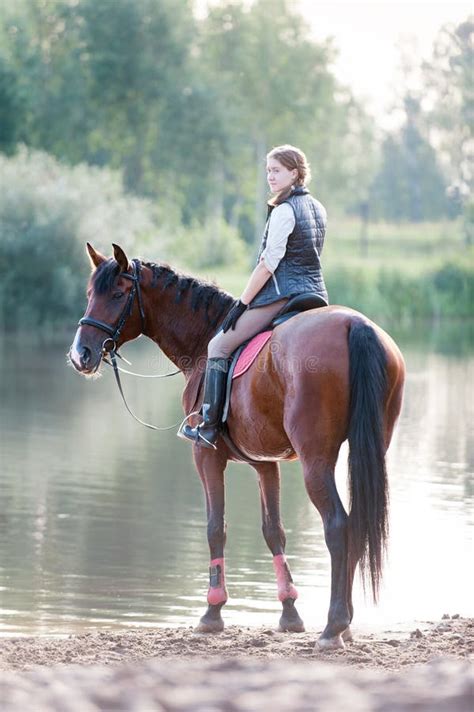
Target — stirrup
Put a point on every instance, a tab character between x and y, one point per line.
183	422
201	436
181	435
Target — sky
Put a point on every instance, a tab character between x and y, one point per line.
368	36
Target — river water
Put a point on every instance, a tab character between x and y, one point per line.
102	522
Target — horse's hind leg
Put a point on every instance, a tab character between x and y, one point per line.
274	534
211	466
321	487
346	635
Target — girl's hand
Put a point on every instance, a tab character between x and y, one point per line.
235	313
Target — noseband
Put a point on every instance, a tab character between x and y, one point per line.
109	345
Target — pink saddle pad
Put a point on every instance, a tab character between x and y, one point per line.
250	353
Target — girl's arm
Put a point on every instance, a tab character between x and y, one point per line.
258	278
282	223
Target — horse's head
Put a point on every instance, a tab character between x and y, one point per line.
114	311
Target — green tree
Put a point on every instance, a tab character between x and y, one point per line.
450	100
409	184
137	61
186	110
45	58
114	84
11	108
275	86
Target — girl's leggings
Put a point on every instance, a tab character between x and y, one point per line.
250	323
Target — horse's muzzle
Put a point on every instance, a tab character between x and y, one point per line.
83	358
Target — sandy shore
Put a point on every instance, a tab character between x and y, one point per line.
241	669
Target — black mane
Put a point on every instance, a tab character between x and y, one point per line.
203	294
103	278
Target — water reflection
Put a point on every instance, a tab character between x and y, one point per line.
102	521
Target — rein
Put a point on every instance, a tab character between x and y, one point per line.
109	345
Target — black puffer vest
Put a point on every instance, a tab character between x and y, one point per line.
299	270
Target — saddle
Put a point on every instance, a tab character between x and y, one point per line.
247	352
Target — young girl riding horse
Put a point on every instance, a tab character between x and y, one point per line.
288	264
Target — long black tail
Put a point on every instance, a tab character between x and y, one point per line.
368	518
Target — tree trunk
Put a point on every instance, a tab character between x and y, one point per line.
260	192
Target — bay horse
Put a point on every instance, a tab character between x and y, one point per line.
326	375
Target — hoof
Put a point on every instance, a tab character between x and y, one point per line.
290	622
211	622
325	644
206	626
291	626
347	636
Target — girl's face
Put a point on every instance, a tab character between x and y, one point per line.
279	178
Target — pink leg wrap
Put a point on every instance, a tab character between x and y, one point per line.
286	589
217	592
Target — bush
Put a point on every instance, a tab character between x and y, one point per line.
214	244
453	289
47	213
391	294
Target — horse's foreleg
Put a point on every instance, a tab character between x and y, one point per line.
274	535
322	491
211	467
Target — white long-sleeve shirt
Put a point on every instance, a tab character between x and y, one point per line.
282	223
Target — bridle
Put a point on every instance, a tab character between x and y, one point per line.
114	333
109	345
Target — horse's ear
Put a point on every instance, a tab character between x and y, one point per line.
95	257
121	258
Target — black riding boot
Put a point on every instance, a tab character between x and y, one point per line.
212	405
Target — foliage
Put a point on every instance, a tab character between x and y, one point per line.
469	221
275	86
186	109
409	184
400	297
47	213
448	78
11	108
213	244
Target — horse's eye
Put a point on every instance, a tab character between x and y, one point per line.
118	295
